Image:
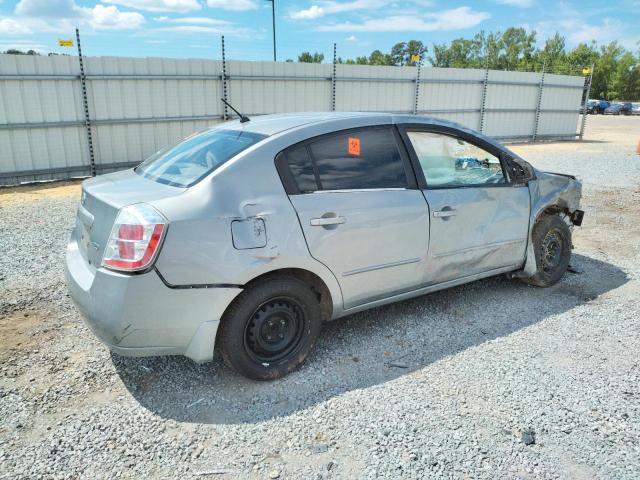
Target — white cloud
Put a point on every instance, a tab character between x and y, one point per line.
178	6
328	7
190	29
454	19
516	3
226	29
58	16
9	26
608	31
46	8
310	13
192	20
106	18
578	31
352	38
24	47
237	5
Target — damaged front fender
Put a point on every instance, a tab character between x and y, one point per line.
551	193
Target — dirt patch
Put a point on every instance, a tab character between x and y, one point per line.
31	193
21	331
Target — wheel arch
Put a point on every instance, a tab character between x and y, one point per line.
320	288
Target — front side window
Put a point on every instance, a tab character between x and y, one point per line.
451	162
196	157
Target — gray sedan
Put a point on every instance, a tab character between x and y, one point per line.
246	237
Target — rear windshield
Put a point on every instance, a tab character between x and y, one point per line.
196	157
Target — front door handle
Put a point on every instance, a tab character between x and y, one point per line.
323	221
444	213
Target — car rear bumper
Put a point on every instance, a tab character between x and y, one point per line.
138	315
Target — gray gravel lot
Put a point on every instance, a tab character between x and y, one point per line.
495	379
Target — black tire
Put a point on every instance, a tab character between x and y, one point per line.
552	247
270	328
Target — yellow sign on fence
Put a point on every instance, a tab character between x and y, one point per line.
65	43
415	58
586	71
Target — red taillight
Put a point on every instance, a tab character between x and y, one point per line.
131	232
135	238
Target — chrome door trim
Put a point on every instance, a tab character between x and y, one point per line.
481	247
356	190
426	289
381	266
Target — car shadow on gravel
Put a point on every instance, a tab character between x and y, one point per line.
364	349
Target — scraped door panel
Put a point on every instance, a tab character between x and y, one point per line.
374	241
476	230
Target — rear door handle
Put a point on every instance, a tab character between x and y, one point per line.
444	213
322	221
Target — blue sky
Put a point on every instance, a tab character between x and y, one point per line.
192	28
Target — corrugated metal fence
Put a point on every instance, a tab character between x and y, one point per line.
136	106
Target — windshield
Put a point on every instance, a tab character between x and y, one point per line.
196	157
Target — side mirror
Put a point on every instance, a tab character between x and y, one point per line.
519	171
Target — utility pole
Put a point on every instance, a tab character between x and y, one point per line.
273	20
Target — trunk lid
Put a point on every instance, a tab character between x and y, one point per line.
102	197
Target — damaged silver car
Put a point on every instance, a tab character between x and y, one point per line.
246	237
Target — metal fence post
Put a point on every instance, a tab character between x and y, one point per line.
417	91
85	101
537	122
588	81
225	115
333	81
484	98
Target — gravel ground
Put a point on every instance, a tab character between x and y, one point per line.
494	379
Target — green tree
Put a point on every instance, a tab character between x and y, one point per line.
13	51
403	52
379	58
616	71
605	70
626	80
553	55
517	49
306	57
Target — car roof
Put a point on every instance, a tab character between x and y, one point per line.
272	124
279	122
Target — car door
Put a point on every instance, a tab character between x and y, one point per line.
479	219
360	210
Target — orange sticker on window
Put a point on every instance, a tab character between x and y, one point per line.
354	146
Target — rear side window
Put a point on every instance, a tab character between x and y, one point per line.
359	159
196	157
350	160
301	169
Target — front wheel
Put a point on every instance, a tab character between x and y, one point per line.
552	247
270	329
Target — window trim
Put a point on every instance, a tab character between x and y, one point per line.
291	187
405	128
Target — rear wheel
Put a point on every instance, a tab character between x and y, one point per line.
552	247
270	329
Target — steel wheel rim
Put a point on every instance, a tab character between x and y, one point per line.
274	330
552	247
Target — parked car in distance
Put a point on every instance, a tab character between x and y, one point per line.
248	236
618	109
635	108
596	107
